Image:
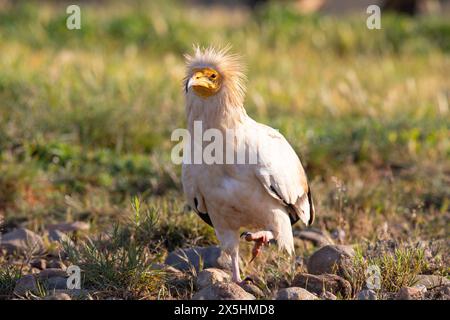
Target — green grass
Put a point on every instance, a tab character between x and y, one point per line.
398	267
86	118
8	277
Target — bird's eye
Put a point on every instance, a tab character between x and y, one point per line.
213	76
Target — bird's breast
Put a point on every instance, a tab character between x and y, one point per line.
236	201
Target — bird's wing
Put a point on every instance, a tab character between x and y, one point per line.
281	173
193	196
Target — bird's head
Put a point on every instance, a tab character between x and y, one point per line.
205	82
215	73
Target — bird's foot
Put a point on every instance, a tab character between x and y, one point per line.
260	238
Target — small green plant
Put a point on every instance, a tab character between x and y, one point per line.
119	263
398	268
8	277
145	222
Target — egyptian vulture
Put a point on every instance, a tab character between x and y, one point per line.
268	195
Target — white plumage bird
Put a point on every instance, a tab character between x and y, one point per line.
267	196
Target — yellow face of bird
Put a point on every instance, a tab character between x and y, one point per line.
205	82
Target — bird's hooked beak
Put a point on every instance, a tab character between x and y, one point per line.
205	82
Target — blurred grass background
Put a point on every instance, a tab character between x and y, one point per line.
86	115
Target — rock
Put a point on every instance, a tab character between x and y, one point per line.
56	264
295	293
58	296
366	294
212	257
51	273
252	289
439	293
446	290
158	266
56	235
35	270
339	235
40	264
22	241
421	287
75	293
317	237
324	282
26	284
211	276
56	283
326	295
223	291
409	293
331	259
69	226
431	281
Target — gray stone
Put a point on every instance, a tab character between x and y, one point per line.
38	263
56	235
317	237
56	283
56	264
446	290
326	295
211	276
252	289
295	293
223	291
339	235
430	281
324	282
22	241
79	294
366	294
26	284
331	259
211	257
58	296
421	287
157	266
409	293
35	270
51	273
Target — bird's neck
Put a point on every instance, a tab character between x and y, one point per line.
215	112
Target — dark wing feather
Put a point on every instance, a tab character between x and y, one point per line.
293	208
203	215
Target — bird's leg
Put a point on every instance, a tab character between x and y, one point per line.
229	243
236	277
260	238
